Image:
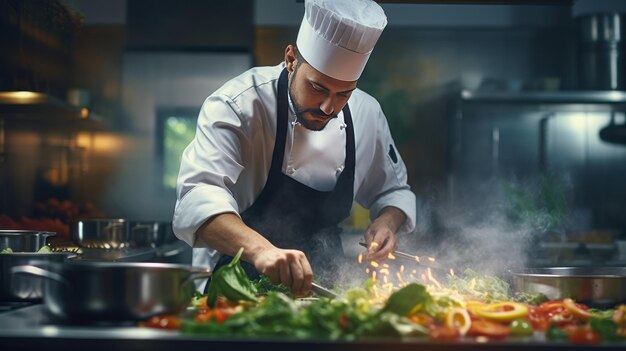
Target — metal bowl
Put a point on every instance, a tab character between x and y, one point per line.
23	240
14	288
119	233
595	286
100	233
115	291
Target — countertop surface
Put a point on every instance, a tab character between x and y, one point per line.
33	328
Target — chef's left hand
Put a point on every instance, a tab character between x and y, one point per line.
380	236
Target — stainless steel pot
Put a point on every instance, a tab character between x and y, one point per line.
595	286
23	240
114	291
14	288
119	233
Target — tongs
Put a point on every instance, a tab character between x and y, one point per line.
322	291
422	261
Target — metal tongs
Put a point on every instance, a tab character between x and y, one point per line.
322	291
422	261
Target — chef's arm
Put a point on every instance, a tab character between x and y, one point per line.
380	236
227	233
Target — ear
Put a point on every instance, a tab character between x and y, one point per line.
291	58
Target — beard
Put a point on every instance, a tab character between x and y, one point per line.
300	111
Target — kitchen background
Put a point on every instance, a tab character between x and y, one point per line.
488	104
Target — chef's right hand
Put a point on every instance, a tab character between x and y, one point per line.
288	267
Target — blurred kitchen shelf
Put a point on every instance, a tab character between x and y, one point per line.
34	110
560	96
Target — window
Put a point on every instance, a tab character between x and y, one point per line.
176	127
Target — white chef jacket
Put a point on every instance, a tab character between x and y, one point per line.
225	167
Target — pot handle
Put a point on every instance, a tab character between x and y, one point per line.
196	274
39	272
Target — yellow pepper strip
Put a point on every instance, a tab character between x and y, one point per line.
575	310
497	312
457	317
619	317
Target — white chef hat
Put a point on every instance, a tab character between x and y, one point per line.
336	37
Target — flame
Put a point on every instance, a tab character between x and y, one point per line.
384	271
385	265
473	283
452	272
417	259
402	268
360	259
391	256
431	259
374	275
385	280
373	245
374	264
367	270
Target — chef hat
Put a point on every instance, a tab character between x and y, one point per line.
336	37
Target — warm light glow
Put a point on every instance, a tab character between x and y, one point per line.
384	271
402	268
431	259
417	259
367	270
385	279
374	264
84	112
452	272
385	265
360	259
374	275
22	95
473	283
432	278
391	256
373	245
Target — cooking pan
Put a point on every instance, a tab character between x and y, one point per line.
595	286
23	240
114	291
119	233
14	288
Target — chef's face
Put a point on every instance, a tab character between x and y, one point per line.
316	97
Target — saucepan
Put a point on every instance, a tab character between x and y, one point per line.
23	240
118	233
15	288
115	291
594	286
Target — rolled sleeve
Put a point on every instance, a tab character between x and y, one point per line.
404	200
196	207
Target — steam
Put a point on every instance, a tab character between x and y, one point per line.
495	226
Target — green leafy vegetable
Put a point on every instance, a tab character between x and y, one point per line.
535	299
45	249
606	328
232	282
554	333
7	250
408	298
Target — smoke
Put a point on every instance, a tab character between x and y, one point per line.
493	226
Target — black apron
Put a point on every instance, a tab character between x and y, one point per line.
292	215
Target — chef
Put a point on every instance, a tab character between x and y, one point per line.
280	154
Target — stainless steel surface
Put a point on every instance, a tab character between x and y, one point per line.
601	51
422	261
113	291
572	96
23	240
21	288
120	233
596	286
322	291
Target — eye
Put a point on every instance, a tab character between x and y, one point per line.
318	88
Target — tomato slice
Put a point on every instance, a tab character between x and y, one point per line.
163	322
584	336
443	333
538	318
489	329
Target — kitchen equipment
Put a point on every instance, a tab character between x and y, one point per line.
100	233
614	133
595	286
114	291
15	288
23	240
120	233
602	52
422	261
322	291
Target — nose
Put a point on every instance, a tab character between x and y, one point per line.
327	106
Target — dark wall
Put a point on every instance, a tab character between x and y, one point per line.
190	24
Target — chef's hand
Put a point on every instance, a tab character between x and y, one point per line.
288	267
380	242
380	236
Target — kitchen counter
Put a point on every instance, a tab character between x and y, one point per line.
32	328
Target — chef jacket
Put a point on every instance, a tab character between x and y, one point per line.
225	167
